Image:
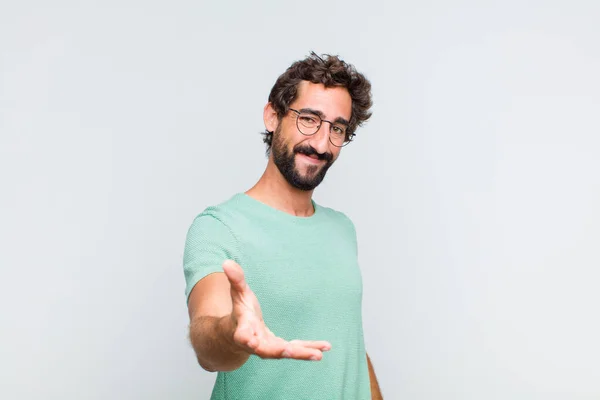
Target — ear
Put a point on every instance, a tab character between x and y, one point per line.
270	118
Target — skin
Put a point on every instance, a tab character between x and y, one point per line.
375	390
272	188
226	324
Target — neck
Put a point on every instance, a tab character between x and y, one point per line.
273	190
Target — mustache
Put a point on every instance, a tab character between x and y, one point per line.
309	151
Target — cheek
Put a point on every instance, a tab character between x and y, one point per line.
336	153
285	137
290	134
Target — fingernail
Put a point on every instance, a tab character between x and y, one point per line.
314	358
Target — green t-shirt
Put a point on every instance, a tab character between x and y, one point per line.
305	274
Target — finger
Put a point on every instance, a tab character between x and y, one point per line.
235	274
299	352
279	348
313	344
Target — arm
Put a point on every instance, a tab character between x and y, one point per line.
226	325
211	328
375	391
208	243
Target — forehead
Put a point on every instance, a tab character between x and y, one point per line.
333	102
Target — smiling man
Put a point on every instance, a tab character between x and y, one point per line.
273	283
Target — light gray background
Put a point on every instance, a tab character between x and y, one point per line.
475	187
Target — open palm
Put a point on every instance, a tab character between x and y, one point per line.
252	334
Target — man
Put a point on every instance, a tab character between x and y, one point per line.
273	283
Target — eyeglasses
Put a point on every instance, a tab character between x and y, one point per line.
309	123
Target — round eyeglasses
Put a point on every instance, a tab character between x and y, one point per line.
309	123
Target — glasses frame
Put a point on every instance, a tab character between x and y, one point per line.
349	135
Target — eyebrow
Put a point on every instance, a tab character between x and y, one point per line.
338	120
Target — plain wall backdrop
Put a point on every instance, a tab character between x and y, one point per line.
475	188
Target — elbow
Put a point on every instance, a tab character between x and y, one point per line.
206	366
219	367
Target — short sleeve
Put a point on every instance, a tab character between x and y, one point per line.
208	244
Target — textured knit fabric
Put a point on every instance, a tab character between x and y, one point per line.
305	274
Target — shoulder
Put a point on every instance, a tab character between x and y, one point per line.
222	212
212	232
338	217
344	227
215	220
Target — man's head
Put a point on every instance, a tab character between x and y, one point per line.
314	109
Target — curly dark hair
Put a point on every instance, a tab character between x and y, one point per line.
330	71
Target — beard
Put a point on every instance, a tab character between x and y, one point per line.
285	160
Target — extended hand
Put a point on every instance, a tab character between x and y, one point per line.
250	332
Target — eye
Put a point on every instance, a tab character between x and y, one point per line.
338	130
308	120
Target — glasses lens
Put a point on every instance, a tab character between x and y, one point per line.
337	134
308	123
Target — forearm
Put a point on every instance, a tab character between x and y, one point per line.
375	390
212	340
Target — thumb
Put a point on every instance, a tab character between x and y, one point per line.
235	274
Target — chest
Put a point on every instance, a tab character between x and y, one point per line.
305	275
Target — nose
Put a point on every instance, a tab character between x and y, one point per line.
320	140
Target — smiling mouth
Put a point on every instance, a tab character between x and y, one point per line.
312	159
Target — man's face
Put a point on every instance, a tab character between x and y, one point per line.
304	160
